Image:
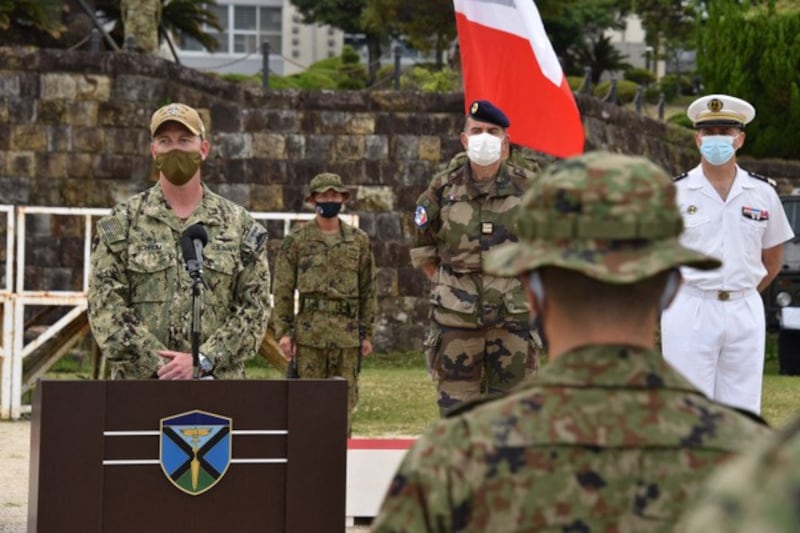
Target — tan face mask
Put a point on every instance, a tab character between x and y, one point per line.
179	166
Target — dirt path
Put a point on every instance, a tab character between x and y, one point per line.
14	453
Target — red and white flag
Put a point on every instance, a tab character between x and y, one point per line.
507	59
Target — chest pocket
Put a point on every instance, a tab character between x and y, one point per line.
149	271
221	265
695	230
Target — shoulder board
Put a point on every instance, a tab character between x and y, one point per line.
763	178
679	178
469	405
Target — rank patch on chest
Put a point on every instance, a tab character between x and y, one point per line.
487	228
754	213
421	217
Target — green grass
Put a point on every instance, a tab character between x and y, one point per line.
397	398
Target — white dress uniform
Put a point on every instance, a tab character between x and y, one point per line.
714	331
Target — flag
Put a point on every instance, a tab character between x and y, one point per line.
506	58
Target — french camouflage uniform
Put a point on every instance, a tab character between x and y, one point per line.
479	322
756	491
334	275
605	437
140	295
141	19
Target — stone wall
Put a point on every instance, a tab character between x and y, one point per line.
74	132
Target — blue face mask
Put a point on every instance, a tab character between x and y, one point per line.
328	209
717	149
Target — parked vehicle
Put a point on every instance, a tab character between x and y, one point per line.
784	292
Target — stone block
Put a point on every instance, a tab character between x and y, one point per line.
388	226
319	147
14	190
348	147
386	282
295	146
88	139
404	147
59	86
136	88
93	87
81	166
29	137
374	198
82	114
377	147
266	197
59	138
269	145
126	141
430	148
51	164
238	193
20	164
234	145
10	83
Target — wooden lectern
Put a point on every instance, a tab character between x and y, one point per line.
98	454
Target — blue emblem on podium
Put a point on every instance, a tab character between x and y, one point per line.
195	450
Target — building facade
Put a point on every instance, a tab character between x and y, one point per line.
246	24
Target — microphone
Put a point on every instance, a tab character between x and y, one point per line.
192	242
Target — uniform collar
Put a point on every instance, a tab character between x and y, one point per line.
155	205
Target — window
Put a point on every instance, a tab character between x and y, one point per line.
244	28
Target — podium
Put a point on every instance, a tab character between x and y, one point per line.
133	456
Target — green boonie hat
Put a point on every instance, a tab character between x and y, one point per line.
611	217
325	182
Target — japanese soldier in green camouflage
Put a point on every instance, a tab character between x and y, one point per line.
140	294
607	436
330	264
480	336
757	491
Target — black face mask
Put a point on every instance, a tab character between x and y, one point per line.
328	209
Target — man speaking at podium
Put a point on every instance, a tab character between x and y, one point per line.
141	294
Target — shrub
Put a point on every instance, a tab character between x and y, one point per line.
642	76
626	90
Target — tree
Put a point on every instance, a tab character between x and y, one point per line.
36	22
668	24
347	15
189	17
426	26
752	50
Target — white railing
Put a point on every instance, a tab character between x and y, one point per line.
15	297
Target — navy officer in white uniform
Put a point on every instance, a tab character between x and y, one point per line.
714	332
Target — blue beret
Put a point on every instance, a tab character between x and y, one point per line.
485	111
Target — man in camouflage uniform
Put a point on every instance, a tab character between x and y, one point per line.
141	19
606	437
331	266
757	491
480	336
140	295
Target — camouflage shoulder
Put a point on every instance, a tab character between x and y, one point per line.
765	179
457	161
113	228
521	176
469	405
358	233
680	177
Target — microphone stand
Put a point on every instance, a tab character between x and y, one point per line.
195	269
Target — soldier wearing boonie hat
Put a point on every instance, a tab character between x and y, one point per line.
606	419
714	332
480	339
330	264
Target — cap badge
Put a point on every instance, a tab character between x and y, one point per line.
715	105
474	108
692	209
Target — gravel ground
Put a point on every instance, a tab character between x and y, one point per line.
14	453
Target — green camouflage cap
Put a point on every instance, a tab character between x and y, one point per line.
609	216
325	182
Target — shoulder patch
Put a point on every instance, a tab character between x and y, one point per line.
111	229
763	178
680	177
255	237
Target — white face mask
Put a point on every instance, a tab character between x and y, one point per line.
484	149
